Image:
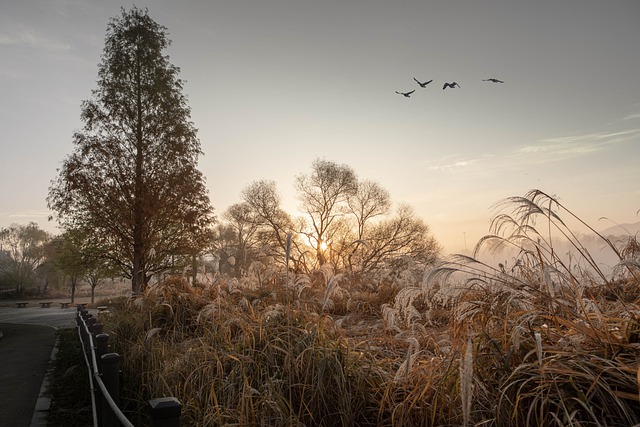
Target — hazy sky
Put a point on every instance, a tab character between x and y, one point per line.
274	84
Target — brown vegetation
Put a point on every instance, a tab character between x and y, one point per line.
543	342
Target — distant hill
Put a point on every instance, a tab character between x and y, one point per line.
622	230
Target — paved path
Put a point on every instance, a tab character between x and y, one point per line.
27	340
32	315
24	356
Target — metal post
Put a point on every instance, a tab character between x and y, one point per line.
111	380
164	412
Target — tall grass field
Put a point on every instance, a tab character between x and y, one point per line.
545	338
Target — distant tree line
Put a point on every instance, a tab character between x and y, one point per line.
33	261
23	257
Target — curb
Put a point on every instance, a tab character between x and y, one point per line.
43	404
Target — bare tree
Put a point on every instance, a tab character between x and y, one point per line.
368	201
403	235
350	217
224	247
275	223
324	194
242	218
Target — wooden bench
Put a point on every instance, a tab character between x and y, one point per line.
64	304
21	304
103	308
45	304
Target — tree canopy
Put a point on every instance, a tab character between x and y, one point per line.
132	184
22	252
324	194
347	223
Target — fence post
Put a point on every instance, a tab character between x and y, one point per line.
97	329
102	348
90	322
111	380
164	412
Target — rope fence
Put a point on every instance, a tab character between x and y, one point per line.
104	371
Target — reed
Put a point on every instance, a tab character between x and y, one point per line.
546	341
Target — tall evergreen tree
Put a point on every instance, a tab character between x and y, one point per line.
132	182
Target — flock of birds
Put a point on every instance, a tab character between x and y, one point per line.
451	85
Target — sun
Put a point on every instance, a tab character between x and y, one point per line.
313	242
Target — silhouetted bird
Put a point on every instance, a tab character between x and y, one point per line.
451	85
493	80
406	94
422	84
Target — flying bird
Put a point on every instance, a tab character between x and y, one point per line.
422	84
451	85
493	80
405	94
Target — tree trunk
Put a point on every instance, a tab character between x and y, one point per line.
322	260
137	275
73	289
194	270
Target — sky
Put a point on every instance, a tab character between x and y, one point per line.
274	84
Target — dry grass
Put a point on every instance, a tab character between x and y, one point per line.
545	342
235	361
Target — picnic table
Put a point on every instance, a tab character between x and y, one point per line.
64	304
21	304
45	304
